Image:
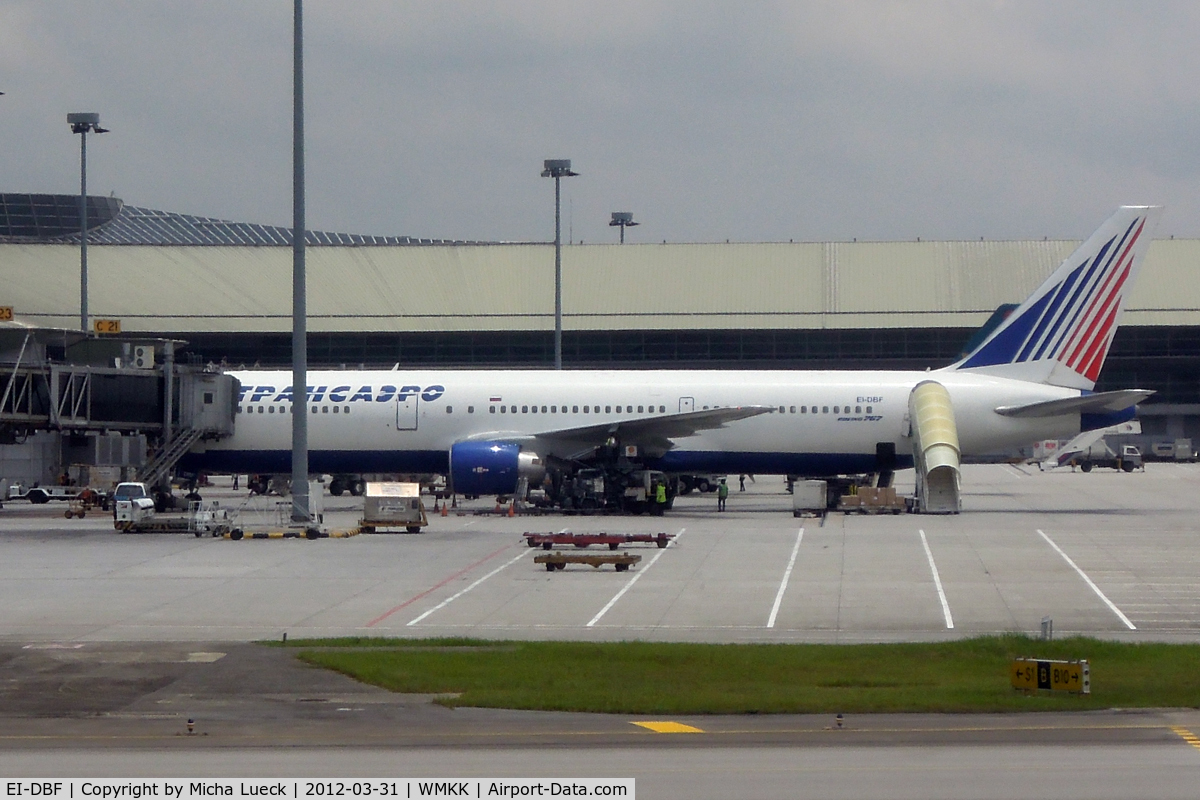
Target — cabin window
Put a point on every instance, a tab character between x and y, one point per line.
858	409
869	409
336	409
260	410
608	409
491	409
314	409
662	409
470	409
574	409
639	409
585	409
503	409
793	409
449	409
706	408
824	409
324	409
524	409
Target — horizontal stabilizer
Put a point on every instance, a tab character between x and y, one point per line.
1101	403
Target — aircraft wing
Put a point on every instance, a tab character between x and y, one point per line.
653	434
670	426
1099	403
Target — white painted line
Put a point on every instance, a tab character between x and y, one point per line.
450	600
634	580
937	581
787	574
1095	588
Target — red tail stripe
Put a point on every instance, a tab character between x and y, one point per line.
1101	339
1112	300
1080	336
1093	370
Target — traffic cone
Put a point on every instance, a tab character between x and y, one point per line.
512	509
445	509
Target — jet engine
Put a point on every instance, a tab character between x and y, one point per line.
480	468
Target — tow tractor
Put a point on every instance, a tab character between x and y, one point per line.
133	512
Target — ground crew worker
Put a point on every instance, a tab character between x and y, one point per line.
660	497
722	495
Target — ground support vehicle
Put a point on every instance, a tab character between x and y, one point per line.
39	495
559	560
133	512
614	540
393	505
1101	455
699	483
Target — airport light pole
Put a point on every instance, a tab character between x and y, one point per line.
81	123
300	500
558	168
623	220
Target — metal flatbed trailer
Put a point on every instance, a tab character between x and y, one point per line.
559	560
614	540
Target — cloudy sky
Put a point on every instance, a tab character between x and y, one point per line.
748	121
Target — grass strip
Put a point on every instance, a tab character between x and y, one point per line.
968	675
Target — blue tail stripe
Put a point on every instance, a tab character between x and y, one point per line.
1080	289
1002	349
1070	288
1052	311
1089	285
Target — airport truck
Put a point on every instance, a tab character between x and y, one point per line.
134	512
1100	454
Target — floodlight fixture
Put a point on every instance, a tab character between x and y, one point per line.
83	123
557	168
623	220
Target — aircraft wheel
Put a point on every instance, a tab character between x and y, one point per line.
704	486
358	488
1126	466
1085	466
550	567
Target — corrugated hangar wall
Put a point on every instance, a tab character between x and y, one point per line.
480	288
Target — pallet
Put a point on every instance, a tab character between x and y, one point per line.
559	560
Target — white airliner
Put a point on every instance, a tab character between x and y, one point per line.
1030	379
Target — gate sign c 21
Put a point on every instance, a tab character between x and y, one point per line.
1033	674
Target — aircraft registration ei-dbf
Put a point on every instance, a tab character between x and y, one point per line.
1030	379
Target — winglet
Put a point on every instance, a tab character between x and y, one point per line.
1062	333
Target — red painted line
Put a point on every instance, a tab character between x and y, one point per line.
435	587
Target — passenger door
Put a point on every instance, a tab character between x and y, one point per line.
406	413
687	404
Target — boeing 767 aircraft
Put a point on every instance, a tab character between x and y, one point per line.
1030	379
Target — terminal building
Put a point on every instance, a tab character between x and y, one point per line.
222	290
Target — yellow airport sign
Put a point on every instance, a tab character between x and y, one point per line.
105	326
1032	674
6	313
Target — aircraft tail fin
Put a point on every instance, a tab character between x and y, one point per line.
1062	333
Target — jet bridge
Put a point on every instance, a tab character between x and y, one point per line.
174	405
935	448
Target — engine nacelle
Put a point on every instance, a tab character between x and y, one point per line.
480	468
